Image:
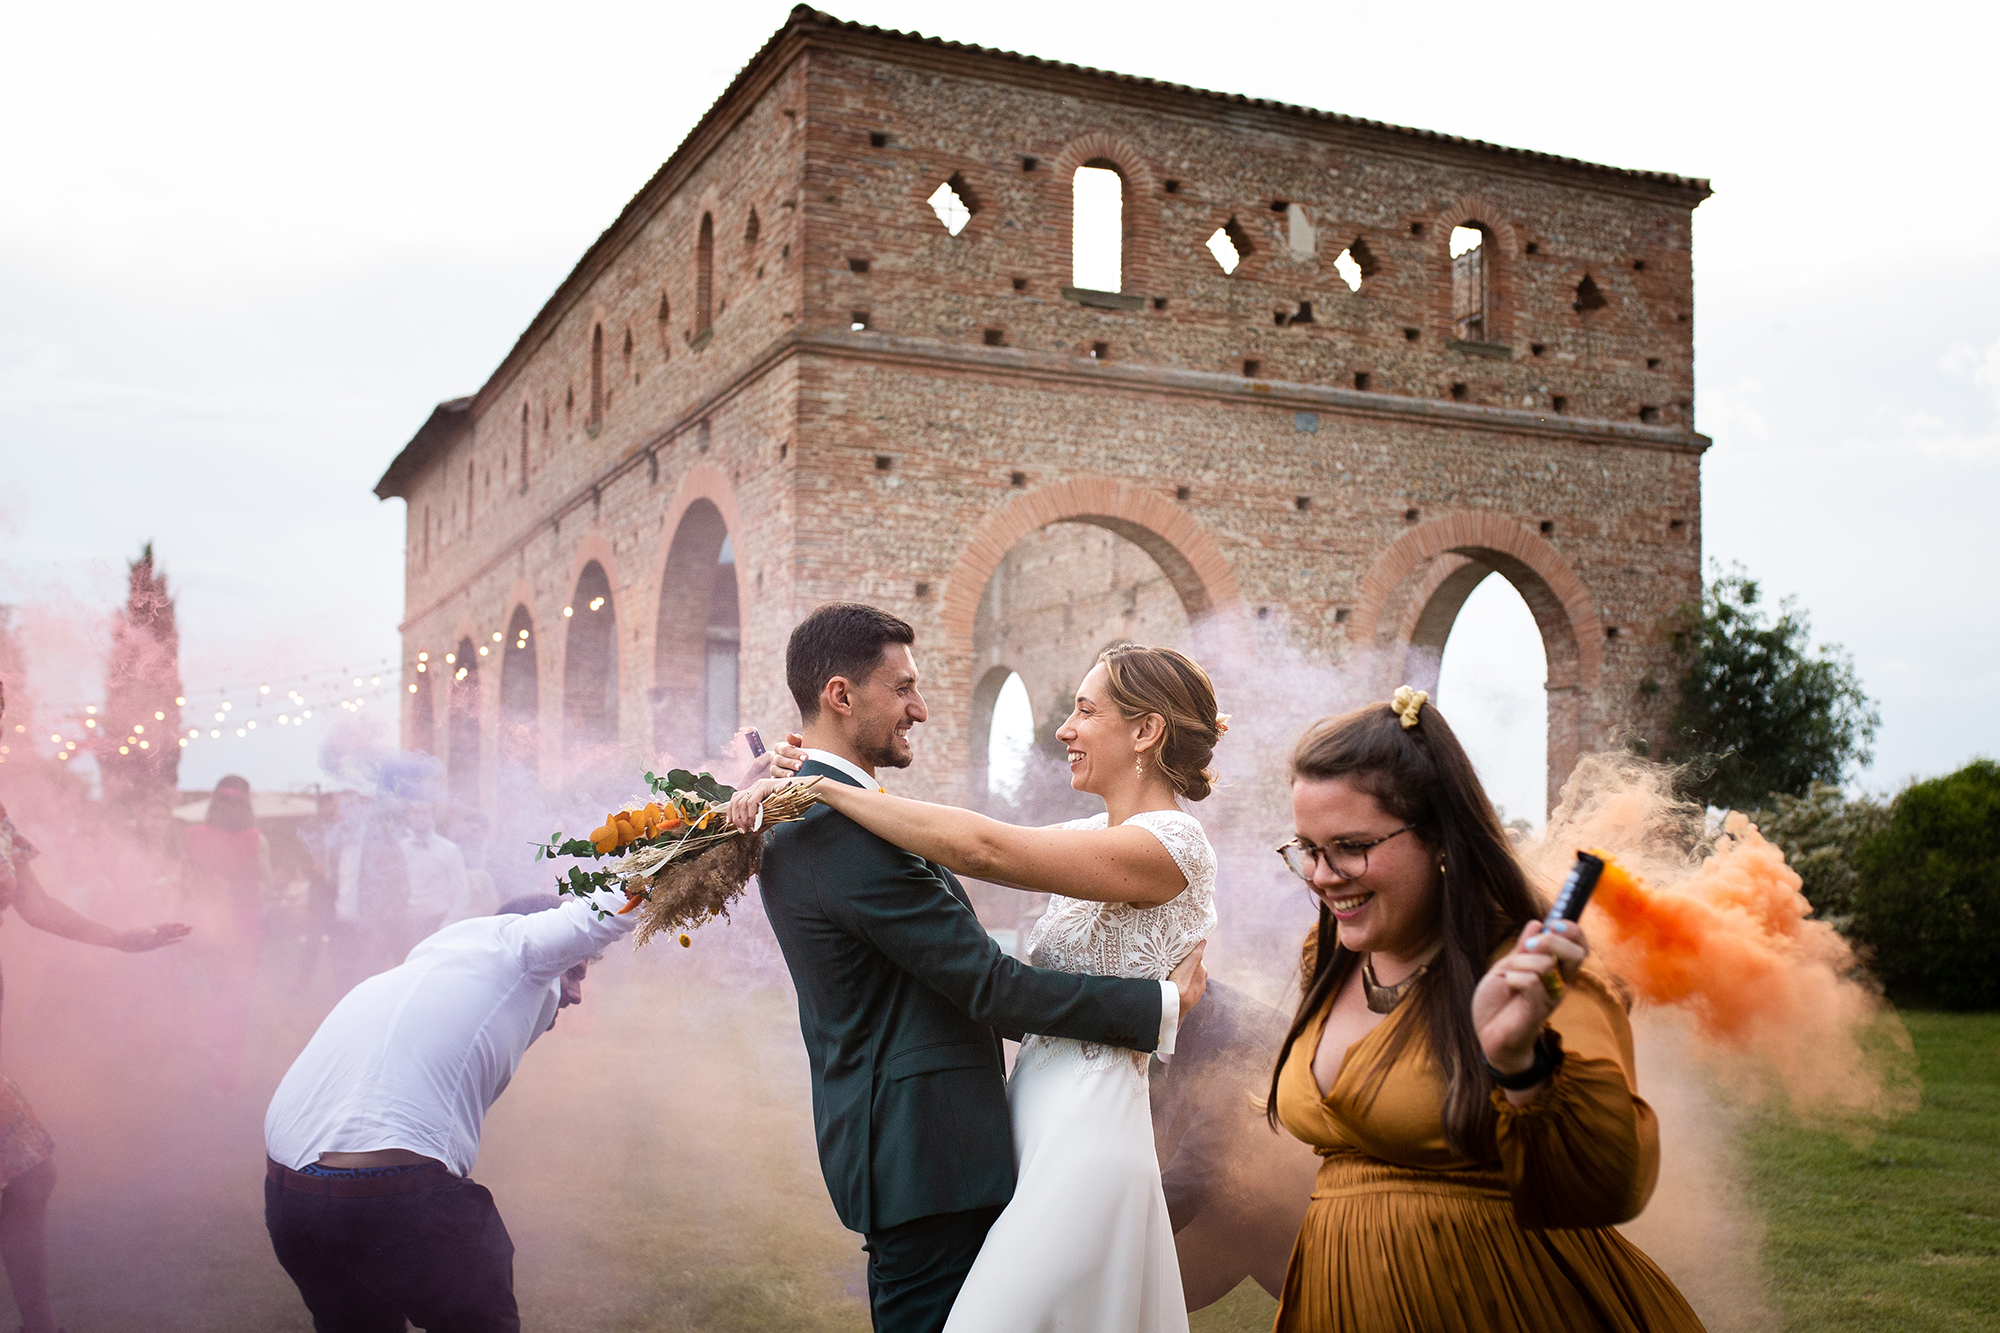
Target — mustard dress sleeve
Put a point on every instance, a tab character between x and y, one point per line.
1586	1152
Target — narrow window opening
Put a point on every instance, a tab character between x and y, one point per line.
1588	296
1305	313
1230	245
596	417
1460	393
524	448
883	462
1548	527
1533	248
1469	283
1363	380
1536	349
1159	303
1100	351
1676	525
1251	368
1097	243
1649	415
857	266
1652	363
628	357
995	338
1302	503
857	321
877	139
1300	238
1173	187
1610	631
752	229
1018	480
1416	229
1340	616
1410	335
953	204
1638	266
704	275
1181	492
1020	284
1280	317
666	313
1411	515
1030	163
1558	404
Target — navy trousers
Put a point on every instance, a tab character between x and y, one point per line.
916	1268
439	1257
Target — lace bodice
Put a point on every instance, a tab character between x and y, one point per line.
1120	940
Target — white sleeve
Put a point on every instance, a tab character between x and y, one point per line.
1170	1020
553	942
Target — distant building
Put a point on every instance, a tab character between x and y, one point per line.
837	348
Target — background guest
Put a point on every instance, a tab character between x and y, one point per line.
435	871
229	870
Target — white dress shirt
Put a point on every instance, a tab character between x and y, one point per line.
1170	994
413	1057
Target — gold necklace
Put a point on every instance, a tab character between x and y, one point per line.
1382	999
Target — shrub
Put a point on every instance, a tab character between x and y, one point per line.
1927	897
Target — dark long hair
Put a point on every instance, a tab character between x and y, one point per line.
229	808
1420	775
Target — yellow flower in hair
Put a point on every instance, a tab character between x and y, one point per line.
1407	704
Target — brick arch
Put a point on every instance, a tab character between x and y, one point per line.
1412	594
1185	552
672	684
1142	206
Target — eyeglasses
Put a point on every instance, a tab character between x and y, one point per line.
1345	860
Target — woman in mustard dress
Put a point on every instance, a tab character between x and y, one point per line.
1465	1075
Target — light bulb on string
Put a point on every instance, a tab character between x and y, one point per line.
91	709
180	701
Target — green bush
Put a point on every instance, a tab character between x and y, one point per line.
1819	834
1927	894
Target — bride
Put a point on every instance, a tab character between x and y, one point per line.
1086	1242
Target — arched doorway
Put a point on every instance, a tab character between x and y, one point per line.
1492	684
590	666
520	709
1059	596
462	727
697	645
1412	596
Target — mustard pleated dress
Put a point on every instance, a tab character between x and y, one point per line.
1403	1233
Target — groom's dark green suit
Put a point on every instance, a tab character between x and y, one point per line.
902	996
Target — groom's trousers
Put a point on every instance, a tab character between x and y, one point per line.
915	1268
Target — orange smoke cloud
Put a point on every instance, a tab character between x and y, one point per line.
1713	925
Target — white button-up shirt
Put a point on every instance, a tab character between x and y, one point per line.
1170	993
413	1057
438	884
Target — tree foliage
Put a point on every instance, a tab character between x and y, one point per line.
1760	712
142	683
1927	892
1820	833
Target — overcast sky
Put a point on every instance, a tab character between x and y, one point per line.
244	249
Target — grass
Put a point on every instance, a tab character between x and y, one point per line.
1902	1233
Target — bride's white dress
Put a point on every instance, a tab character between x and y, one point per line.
1085	1244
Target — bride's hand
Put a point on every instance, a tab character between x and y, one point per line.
744	805
782	760
1191	977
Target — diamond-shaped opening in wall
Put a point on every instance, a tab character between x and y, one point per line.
1356	264
1230	245
1588	296
952	203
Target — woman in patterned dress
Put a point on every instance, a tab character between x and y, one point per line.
1086	1242
27	1165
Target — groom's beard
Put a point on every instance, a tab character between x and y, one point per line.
889	751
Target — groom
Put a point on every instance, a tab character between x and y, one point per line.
902	993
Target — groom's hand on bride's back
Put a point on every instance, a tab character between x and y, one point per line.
1191	977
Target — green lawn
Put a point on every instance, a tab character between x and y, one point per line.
1904	1233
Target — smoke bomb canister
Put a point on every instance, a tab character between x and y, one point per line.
1576	889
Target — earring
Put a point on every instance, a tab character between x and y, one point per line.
1140	765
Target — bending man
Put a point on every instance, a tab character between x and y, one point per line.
372	1134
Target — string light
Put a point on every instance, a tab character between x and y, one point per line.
597	603
92	710
496	636
263	689
413	687
180	701
569	611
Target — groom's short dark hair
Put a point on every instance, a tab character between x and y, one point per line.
838	639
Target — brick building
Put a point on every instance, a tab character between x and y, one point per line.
795	368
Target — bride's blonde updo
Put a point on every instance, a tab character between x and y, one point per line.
1160	680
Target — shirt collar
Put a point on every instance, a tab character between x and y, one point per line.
846	766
